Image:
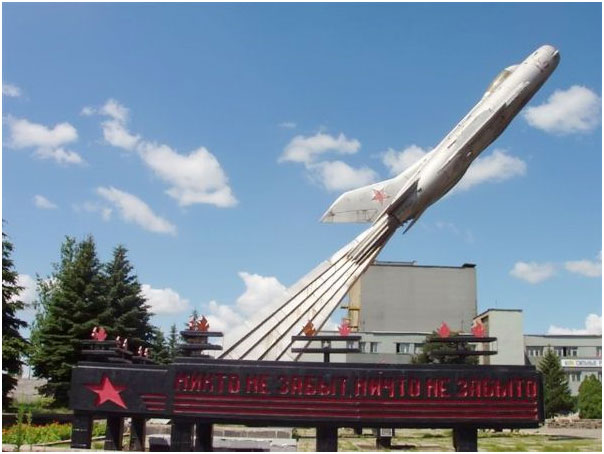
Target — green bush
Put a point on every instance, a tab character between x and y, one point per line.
590	398
28	434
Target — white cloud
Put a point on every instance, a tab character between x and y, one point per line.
115	110
497	167
115	131
574	110
533	272
260	292
10	90
92	207
116	134
222	317
593	325
332	175
29	293
60	155
287	125
25	134
42	202
339	176
87	111
588	268
46	141
398	161
195	178
306	149
133	209
164	300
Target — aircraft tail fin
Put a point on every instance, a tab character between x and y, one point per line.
359	205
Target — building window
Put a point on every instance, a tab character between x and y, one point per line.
419	348
565	351
574	376
599	352
363	347
373	347
403	348
534	351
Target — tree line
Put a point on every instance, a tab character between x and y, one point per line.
80	293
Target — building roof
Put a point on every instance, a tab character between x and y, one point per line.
415	265
497	310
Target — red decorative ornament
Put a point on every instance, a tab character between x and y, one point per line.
139	352
344	328
101	334
203	324
191	323
478	329
309	329
94	333
444	330
107	392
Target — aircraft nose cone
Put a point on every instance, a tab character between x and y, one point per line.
546	57
547	49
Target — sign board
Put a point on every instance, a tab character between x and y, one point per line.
307	394
581	363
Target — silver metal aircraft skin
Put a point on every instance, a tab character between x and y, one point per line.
407	195
267	334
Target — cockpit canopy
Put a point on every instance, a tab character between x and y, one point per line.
503	75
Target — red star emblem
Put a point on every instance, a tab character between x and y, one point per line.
380	195
107	392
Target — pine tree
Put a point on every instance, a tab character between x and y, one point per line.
590	398
130	313
72	302
173	342
159	349
556	392
13	344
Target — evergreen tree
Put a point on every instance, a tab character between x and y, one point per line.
72	302
130	313
425	356
173	342
13	344
556	392
590	398
159	349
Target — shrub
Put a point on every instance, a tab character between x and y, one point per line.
28	434
590	398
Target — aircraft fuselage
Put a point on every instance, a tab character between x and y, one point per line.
450	159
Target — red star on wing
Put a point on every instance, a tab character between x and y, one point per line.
107	392
380	195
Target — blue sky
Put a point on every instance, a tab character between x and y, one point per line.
161	127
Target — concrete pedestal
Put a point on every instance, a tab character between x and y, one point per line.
327	438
